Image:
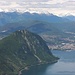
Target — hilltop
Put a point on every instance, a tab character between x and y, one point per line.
23	48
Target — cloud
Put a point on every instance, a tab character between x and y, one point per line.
26	0
52	6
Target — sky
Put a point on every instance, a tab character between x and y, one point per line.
58	7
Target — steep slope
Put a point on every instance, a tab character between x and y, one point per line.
21	49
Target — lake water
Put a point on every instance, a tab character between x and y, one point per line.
65	65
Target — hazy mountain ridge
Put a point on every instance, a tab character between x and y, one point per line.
70	17
11	20
9	17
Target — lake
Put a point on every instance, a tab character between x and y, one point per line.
64	66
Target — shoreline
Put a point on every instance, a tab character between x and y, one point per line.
63	50
27	67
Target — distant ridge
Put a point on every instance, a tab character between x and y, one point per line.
11	17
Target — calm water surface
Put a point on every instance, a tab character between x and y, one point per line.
65	66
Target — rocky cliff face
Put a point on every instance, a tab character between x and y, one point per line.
20	49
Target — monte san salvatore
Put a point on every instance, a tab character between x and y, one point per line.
22	49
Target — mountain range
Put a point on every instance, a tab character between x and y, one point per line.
70	17
53	29
12	21
9	17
